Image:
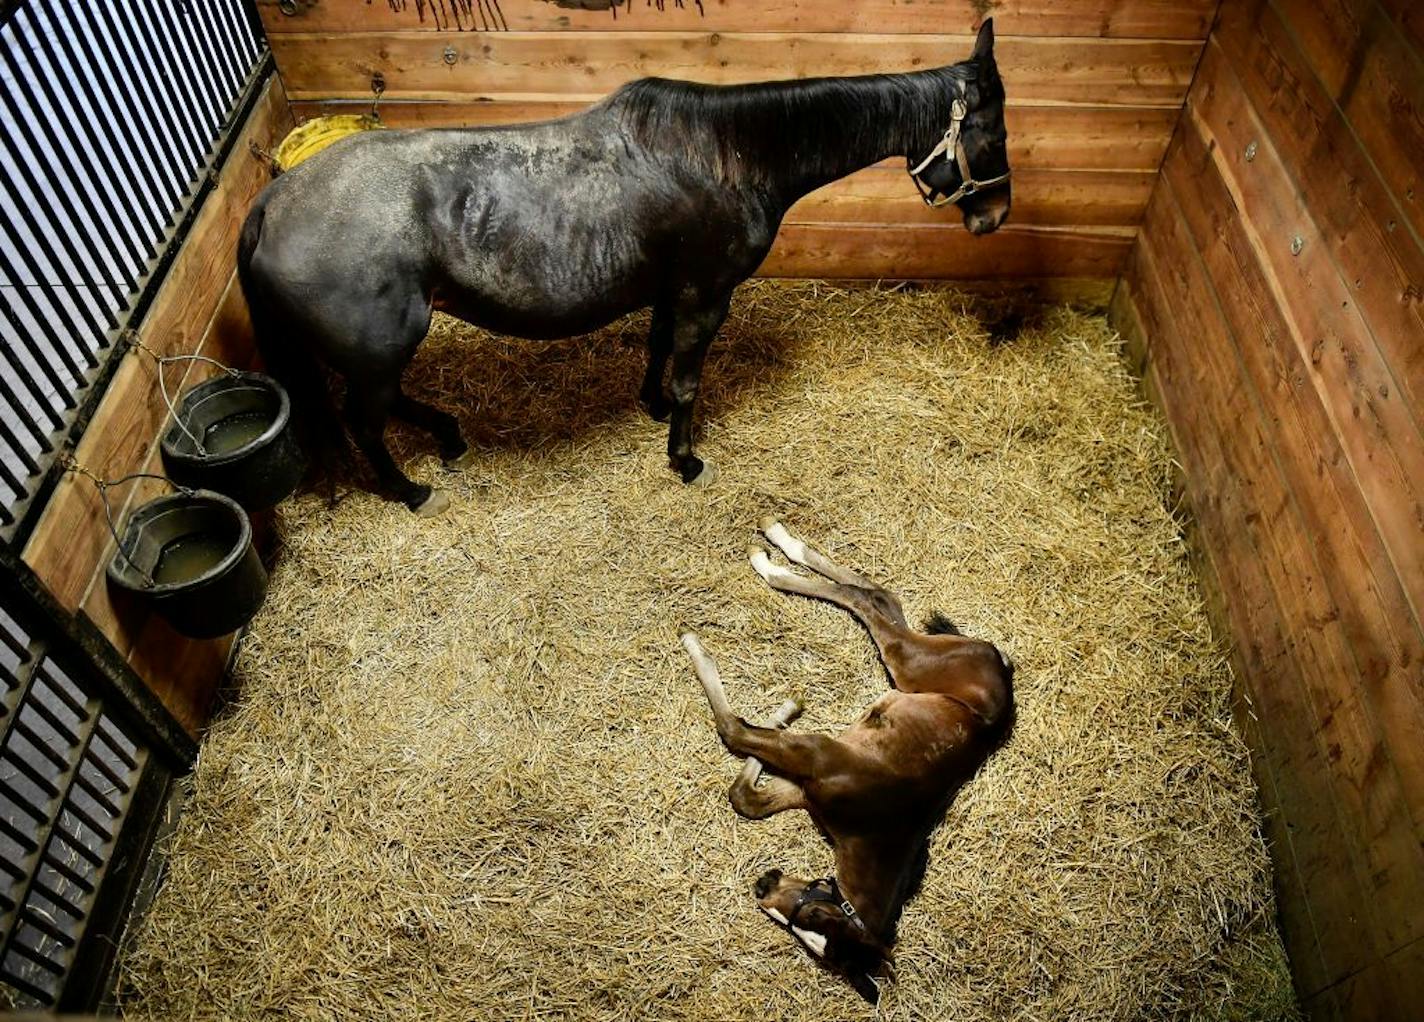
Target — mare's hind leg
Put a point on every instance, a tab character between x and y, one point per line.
368	406
692	335
652	395
440	424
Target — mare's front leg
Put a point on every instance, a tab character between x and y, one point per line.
693	330
652	395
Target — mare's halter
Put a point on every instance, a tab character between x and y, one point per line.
828	892
953	143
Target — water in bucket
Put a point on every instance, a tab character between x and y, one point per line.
189	557
235	432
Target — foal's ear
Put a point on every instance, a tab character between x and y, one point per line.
984	44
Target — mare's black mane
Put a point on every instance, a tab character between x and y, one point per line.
747	133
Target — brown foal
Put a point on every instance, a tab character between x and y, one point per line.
879	789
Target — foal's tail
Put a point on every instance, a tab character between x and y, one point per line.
290	361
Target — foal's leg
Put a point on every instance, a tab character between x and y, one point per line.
798	551
368	405
659	348
692	334
873	607
778	794
797	757
440	424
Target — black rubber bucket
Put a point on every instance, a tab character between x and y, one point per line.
233	434
190	556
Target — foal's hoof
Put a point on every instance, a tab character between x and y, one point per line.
461	461
435	504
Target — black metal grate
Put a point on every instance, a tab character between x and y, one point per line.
111	113
84	776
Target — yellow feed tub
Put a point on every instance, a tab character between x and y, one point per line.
310	138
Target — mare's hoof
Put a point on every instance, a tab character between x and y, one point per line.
435	504
461	461
705	478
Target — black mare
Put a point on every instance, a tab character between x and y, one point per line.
666	194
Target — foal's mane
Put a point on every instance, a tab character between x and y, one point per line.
749	133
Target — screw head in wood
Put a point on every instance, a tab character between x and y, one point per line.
451	56
1250	152
1297	243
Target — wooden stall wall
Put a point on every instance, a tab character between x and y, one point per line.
1278	289
1095	87
198	309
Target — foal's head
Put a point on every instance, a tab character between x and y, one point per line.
826	925
974	174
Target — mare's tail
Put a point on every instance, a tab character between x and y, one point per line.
291	362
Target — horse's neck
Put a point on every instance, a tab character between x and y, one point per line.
821	138
876	876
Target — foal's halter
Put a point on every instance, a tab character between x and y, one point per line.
953	143
826	891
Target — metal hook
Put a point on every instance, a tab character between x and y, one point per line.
132	339
71	464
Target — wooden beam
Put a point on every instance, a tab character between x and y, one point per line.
1355	375
1375	78
1240	499
1041	198
459	65
1140	19
865	251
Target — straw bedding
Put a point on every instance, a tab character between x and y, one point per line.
468	772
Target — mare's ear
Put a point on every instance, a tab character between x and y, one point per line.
984	44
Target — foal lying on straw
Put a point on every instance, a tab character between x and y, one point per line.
878	790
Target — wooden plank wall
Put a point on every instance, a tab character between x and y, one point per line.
1095	87
1278	287
198	309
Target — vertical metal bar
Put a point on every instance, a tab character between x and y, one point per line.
9	478
194	32
19	450
28	340
64	150
144	138
183	50
22	371
111	154
42	238
237	41
159	100
22	414
162	66
16	645
221	46
144	205
51	817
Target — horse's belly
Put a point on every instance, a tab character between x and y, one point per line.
540	320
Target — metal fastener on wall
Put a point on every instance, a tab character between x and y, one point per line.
451	56
1250	152
288	7
1297	243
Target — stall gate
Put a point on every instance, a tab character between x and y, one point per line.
114	119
